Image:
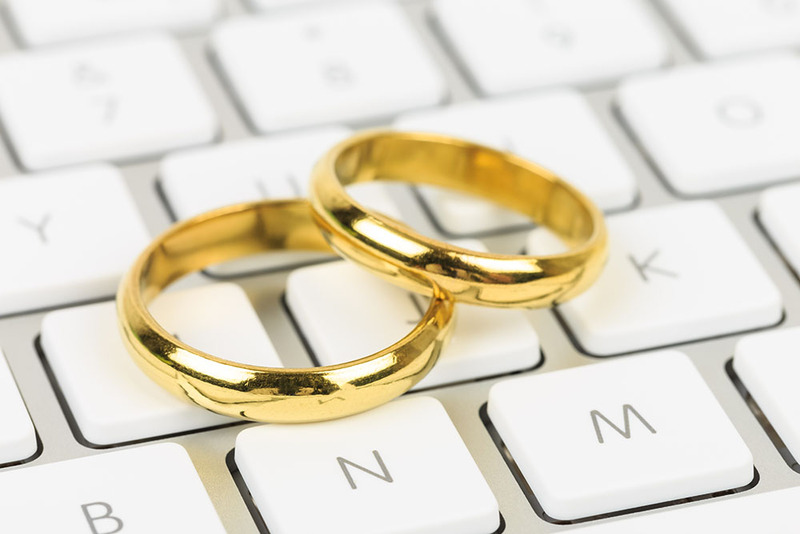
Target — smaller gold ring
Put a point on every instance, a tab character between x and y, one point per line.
251	392
391	249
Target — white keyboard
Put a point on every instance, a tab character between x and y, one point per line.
664	399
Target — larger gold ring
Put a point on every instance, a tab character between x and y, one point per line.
391	249
251	392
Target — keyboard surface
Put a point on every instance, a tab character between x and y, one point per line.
681	119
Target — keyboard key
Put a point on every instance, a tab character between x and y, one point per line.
675	273
18	437
633	432
111	400
347	62
719	28
719	127
118	99
344	313
513	45
545	128
144	489
773	512
767	365
202	179
73	234
777	212
39	22
356	473
265	5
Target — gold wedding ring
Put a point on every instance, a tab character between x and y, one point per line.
377	242
392	250
252	392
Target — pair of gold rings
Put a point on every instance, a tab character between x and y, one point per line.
382	245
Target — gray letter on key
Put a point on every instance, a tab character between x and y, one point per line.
343	463
107	517
626	410
647	265
38	228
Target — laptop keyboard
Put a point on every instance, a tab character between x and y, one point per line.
679	118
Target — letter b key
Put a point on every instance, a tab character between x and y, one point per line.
101	522
152	488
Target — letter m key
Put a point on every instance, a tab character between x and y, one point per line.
627	410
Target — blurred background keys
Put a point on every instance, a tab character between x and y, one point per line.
778	213
114	99
715	128
350	62
718	28
40	22
513	45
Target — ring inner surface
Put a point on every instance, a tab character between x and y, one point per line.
247	229
250	391
503	178
229	236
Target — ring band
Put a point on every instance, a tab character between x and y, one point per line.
391	249
261	393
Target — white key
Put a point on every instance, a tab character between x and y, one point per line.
199	180
40	22
778	213
344	314
513	45
360	471
17	435
546	128
73	234
767	365
111	400
774	512
144	489
674	274
718	127
719	28
340	63
617	435
265	5
114	99
202	179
